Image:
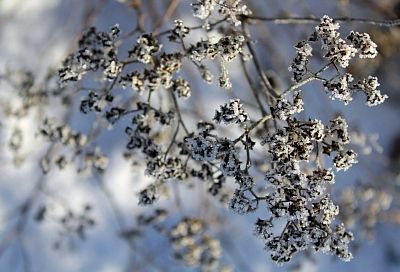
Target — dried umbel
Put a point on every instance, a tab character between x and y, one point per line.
96	50
339	53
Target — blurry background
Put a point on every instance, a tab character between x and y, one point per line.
37	35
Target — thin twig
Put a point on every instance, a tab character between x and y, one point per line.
173	4
257	64
178	112
252	87
253	126
172	141
211	26
306	80
312	20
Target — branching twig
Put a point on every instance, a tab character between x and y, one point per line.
313	20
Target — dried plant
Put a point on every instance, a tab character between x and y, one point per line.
280	162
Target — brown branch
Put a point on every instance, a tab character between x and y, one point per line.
173	4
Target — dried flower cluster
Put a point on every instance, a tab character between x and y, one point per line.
364	205
338	52
296	181
191	241
230	9
96	50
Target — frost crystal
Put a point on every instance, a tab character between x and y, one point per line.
300	62
344	160
337	50
231	113
146	46
366	48
369	87
340	88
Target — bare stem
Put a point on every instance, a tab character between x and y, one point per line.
313	20
306	80
253	126
257	64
